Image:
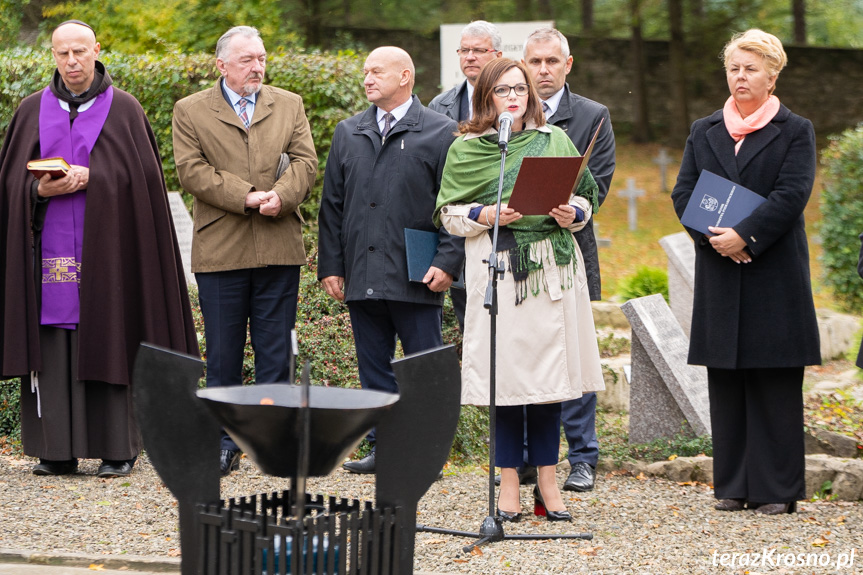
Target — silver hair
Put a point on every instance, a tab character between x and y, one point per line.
545	34
244	31
483	29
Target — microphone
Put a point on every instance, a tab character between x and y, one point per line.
505	121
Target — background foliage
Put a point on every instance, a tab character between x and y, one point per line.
194	25
842	217
330	84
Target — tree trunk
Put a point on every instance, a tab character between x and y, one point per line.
545	10
523	10
313	23
641	125
587	17
677	60
798	9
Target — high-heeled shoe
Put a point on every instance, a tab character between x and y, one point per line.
777	508
507	517
540	510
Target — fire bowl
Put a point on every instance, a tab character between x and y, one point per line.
262	420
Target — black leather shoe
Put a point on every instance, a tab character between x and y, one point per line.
48	467
777	508
507	517
365	465
526	475
539	509
582	477
229	460
730	505
111	468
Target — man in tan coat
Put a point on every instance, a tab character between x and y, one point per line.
245	152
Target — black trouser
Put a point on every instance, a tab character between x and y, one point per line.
757	421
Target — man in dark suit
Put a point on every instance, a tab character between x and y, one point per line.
480	44
383	175
547	57
229	142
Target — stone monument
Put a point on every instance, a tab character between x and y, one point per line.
184	227
681	276
666	395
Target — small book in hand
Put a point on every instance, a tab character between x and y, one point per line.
420	250
544	183
57	167
718	202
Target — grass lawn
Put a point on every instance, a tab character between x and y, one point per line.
656	218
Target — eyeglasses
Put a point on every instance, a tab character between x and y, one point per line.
502	90
474	51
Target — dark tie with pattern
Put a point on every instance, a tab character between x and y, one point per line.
545	110
243	115
388	119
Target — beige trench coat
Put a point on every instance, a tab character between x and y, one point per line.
219	162
546	347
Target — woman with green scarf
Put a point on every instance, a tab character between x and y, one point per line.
546	340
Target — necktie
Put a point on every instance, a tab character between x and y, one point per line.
243	116
545	110
388	118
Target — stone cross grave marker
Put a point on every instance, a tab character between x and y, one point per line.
183	225
663	160
680	252
631	193
665	392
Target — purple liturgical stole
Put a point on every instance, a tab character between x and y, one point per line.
63	233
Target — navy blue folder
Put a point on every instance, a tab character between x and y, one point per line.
420	249
718	202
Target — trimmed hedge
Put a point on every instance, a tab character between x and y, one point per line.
330	84
842	217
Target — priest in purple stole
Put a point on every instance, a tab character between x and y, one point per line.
90	266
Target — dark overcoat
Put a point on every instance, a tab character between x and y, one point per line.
760	314
373	190
860	273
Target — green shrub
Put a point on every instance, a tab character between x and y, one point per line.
330	84
842	217
646	281
10	398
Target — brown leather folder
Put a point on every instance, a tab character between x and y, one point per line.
544	183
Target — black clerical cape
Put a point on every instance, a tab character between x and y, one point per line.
132	286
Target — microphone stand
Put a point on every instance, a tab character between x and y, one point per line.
491	529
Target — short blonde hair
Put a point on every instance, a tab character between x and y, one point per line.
758	42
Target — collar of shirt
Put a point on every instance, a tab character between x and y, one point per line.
554	102
234	98
398	112
470	101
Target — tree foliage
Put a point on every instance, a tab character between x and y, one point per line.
194	25
842	217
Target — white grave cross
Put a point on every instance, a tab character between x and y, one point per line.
631	193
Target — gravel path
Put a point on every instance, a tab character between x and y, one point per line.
640	526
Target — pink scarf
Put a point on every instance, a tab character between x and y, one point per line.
738	126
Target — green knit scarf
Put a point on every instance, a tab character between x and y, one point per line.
471	175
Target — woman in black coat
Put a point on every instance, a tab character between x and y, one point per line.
754	323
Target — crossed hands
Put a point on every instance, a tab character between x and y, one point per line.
729	244
268	203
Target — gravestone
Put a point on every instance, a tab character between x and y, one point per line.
631	193
681	276
667	396
600	242
183	226
663	160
